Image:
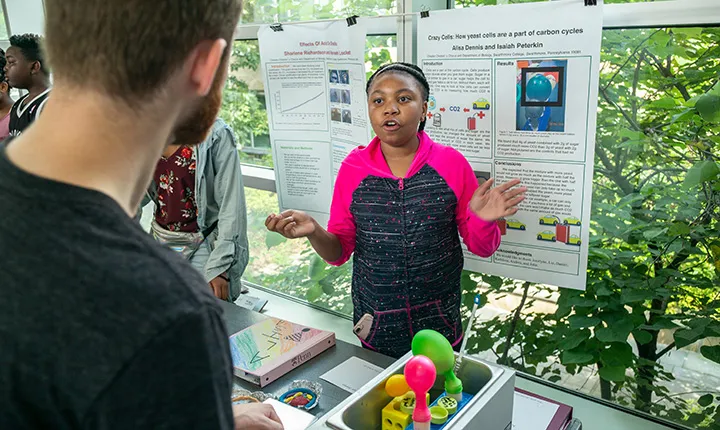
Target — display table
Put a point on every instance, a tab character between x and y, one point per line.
238	318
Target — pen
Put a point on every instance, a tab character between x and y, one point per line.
476	302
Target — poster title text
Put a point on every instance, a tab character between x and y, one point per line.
316	48
513	35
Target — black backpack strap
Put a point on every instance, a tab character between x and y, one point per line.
208	231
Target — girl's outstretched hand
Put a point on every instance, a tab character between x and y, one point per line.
491	204
291	224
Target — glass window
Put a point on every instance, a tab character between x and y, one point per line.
243	105
288	267
3	24
291	266
265	11
379	50
646	333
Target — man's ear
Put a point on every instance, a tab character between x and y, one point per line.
4	87
204	63
35	67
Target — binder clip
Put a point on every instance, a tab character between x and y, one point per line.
351	20
590	2
424	12
276	27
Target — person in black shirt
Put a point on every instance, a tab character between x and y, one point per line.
26	70
6	102
101	327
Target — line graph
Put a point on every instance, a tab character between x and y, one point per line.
301	107
297	97
297	106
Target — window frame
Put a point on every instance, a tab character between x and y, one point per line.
6	23
24	16
671	13
379	25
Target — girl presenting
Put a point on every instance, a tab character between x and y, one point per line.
398	205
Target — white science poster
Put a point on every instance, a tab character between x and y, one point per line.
314	77
514	88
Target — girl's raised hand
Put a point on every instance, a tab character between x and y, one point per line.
291	224
491	204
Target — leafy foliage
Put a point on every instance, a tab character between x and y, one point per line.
654	274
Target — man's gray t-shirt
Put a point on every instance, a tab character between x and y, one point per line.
100	326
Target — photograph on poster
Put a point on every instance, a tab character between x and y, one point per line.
344	77
335	95
345	97
347	116
541	95
335	114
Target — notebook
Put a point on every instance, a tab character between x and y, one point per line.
533	412
249	302
271	348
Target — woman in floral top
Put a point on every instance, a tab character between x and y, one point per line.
175	178
200	208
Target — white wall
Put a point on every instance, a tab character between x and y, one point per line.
25	16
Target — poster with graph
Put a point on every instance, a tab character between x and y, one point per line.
297	96
314	77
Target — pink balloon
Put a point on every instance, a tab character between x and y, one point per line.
420	374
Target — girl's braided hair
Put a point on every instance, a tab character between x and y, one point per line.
409	69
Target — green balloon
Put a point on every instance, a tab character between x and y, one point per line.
453	384
538	88
437	348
